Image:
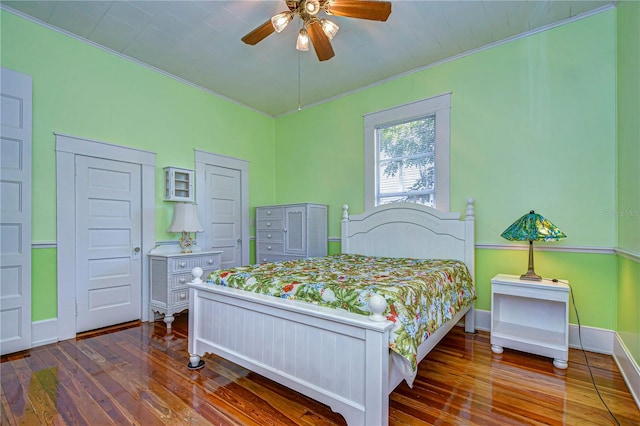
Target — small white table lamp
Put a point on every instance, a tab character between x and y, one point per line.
185	220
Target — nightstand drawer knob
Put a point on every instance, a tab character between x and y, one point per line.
268	223
183	264
268	247
210	261
183	280
183	296
268	235
268	212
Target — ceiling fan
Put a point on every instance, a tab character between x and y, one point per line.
319	30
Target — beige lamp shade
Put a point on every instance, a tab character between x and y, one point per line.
185	218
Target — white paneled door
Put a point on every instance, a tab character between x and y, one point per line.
108	242
15	213
223	219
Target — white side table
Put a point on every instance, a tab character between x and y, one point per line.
530	316
170	274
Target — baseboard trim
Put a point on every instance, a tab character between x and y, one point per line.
628	367
44	332
594	339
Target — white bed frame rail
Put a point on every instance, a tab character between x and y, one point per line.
336	357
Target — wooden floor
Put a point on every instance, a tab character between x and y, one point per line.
135	374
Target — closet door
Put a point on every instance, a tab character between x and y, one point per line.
15	214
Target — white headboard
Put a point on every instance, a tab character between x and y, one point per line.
410	230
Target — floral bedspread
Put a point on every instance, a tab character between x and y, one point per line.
421	294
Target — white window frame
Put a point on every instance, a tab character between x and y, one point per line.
438	105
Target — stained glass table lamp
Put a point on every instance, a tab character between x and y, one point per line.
532	227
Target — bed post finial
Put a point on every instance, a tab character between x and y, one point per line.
469	214
345	212
377	305
197	274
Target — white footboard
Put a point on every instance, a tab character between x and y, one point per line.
335	357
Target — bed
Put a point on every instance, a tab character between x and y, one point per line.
338	357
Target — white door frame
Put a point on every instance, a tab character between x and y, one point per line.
67	147
202	159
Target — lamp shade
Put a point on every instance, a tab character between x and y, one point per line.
533	227
185	218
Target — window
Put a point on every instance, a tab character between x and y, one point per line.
407	154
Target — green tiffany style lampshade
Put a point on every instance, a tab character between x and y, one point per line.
532	227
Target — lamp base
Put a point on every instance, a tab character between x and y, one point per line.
185	243
531	276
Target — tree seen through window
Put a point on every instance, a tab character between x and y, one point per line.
406	162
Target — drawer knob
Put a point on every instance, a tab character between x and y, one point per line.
268	247
183	264
264	260
268	235
183	296
268	223
183	280
210	261
268	212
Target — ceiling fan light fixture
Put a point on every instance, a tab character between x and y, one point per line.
281	20
329	28
312	7
302	43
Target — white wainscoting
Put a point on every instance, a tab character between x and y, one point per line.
44	332
628	367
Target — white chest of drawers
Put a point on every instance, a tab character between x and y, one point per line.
290	231
170	274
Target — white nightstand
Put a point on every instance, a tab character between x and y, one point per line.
170	274
530	316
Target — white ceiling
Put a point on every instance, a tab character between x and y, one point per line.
199	41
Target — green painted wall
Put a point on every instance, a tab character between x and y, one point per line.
591	277
44	288
87	92
628	211
533	126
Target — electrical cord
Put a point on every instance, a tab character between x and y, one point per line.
575	308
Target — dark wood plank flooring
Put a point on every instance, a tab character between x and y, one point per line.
136	374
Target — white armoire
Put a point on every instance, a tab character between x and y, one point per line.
290	231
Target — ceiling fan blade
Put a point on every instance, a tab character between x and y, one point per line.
362	9
320	41
259	33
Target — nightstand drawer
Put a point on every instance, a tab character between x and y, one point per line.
209	261
181	280
187	263
179	297
170	275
